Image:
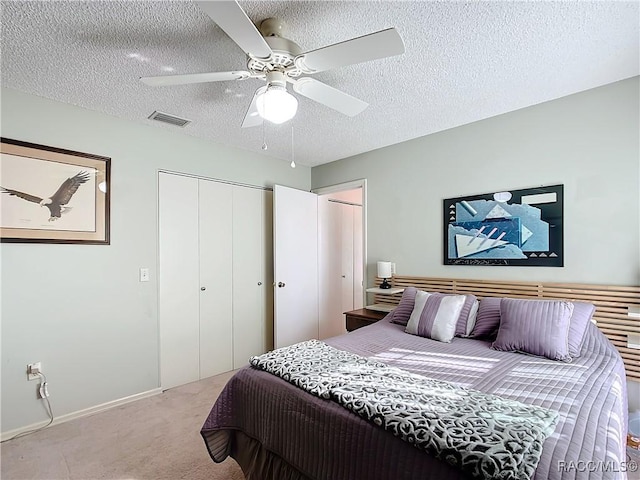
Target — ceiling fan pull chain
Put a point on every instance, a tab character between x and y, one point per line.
264	137
293	155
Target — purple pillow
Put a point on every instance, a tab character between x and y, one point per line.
538	327
582	313
487	319
403	311
461	325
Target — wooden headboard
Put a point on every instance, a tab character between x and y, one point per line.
612	303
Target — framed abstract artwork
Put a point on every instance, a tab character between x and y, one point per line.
51	195
515	227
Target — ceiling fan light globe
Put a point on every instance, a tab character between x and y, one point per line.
276	105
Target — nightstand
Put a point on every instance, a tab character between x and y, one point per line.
362	317
384	307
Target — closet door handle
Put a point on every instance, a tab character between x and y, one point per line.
280	284
203	288
259	283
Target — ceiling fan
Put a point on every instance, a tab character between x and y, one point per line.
278	61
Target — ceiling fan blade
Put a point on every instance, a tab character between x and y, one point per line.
252	118
230	17
329	96
385	43
166	80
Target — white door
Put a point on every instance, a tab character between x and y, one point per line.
267	268
179	288
346	214
249	316
215	289
340	263
295	237
331	310
195	296
358	259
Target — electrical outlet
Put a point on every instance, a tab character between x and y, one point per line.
33	369
144	274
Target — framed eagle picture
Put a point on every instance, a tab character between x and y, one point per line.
51	195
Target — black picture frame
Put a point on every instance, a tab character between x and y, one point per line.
53	195
501	228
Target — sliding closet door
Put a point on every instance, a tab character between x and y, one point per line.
179	288
216	276
215	246
249	279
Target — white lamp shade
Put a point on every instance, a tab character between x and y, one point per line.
384	270
276	105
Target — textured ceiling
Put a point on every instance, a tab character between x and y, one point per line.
463	62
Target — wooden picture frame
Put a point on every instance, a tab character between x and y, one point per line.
52	195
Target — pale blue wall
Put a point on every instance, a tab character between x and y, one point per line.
590	142
69	306
79	309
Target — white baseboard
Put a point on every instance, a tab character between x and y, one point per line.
82	413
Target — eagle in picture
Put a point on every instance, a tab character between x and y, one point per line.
57	203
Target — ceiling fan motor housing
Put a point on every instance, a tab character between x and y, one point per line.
283	57
277	60
276	78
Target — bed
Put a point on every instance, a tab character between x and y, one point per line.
276	430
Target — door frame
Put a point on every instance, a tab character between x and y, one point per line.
352	185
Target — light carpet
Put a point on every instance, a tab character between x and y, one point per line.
154	438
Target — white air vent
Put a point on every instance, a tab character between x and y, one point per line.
170	119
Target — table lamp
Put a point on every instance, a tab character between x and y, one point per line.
384	272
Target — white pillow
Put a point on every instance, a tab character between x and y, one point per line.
435	315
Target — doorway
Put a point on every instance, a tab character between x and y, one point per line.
341	254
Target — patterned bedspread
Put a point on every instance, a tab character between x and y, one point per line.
322	440
485	435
